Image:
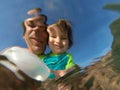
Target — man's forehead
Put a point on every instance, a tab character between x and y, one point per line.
37	18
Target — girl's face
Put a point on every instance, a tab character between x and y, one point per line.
58	40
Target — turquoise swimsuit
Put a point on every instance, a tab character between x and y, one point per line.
58	62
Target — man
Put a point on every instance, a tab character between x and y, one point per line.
35	33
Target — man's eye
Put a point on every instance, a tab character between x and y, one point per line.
42	27
31	25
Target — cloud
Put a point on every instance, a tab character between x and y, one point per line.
51	5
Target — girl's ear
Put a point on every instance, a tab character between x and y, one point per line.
23	37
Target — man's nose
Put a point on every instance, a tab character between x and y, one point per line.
36	31
36	28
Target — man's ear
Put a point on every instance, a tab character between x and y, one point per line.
25	23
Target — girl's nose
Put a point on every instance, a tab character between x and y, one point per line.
58	40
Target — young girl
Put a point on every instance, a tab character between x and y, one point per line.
60	40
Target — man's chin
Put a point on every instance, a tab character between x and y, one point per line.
37	50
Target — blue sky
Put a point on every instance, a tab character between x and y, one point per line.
90	23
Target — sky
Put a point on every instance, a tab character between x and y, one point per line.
90	24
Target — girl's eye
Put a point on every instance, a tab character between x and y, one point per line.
53	36
63	38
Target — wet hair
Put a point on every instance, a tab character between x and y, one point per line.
23	23
65	26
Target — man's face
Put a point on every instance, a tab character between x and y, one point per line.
35	35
